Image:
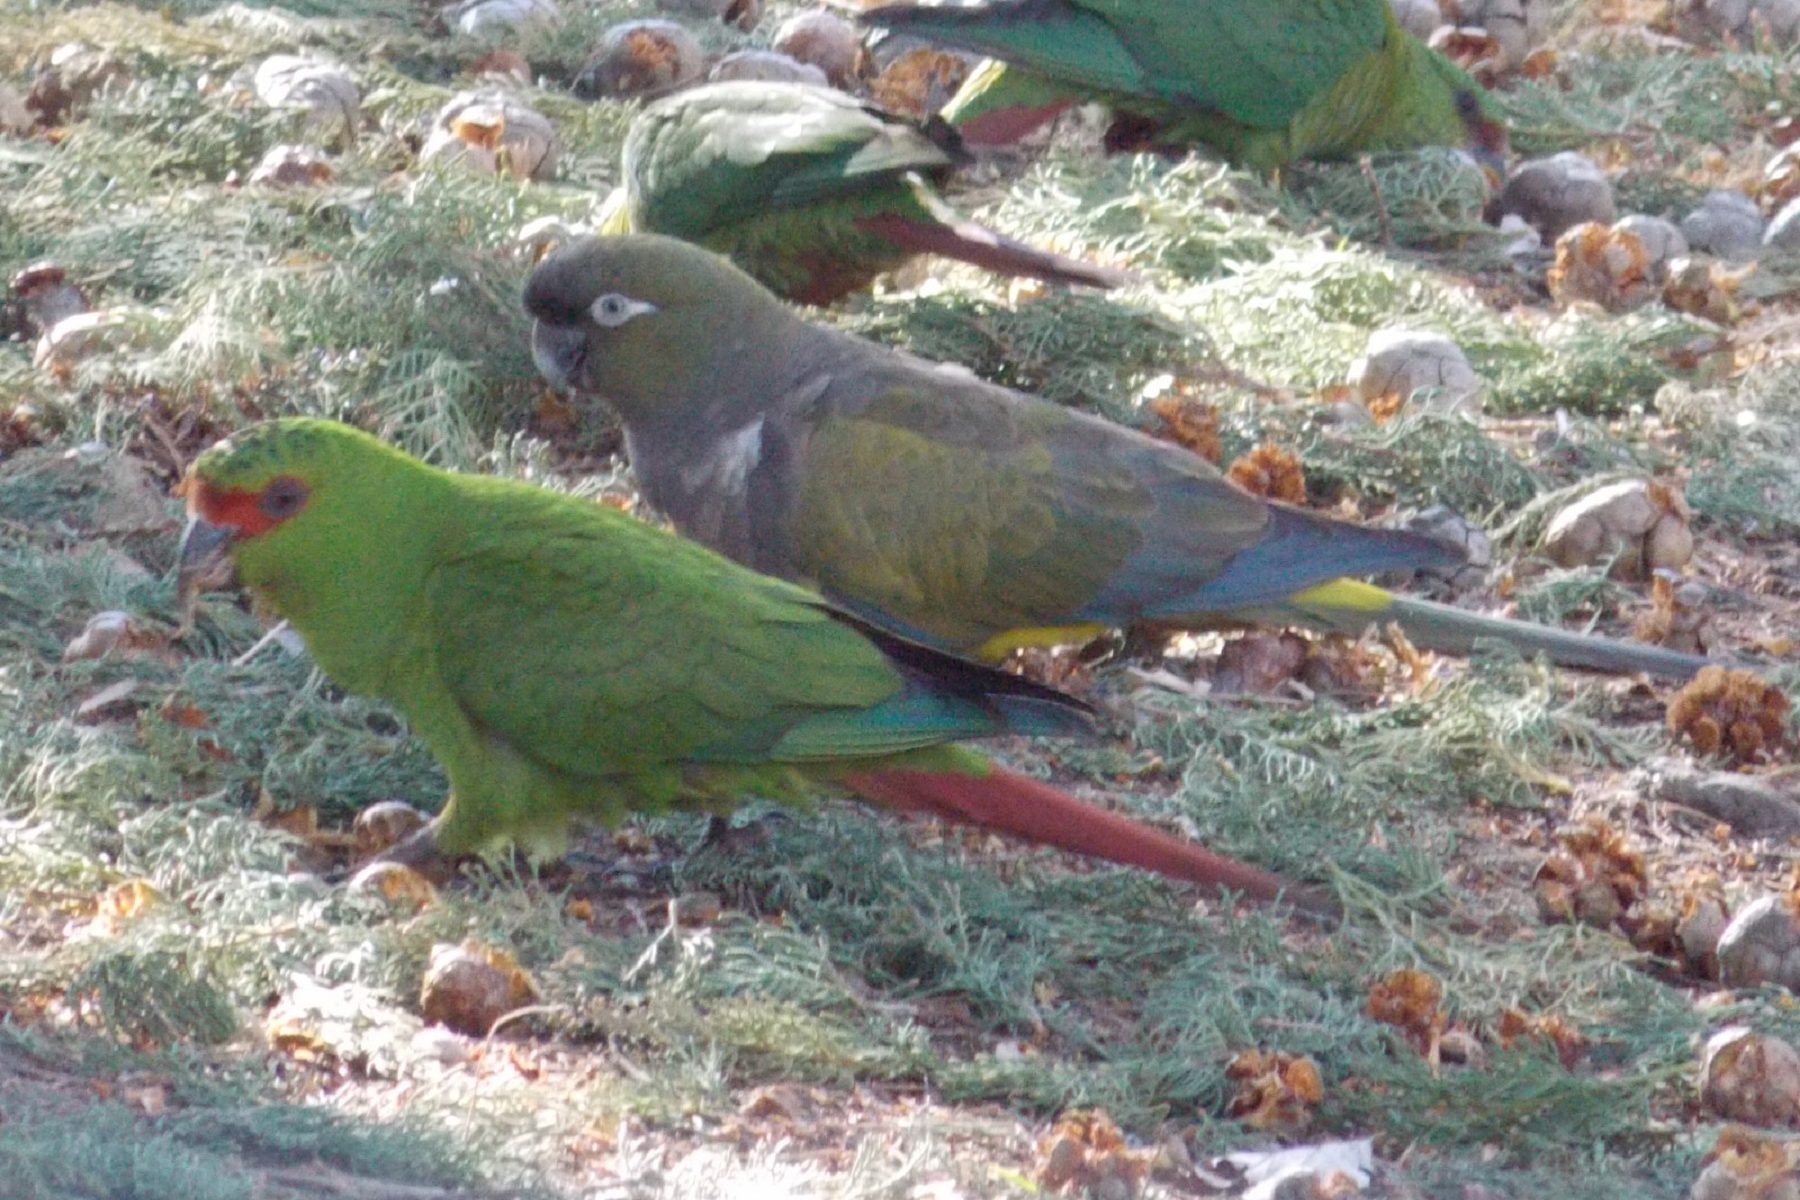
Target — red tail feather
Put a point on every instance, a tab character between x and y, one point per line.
1009	803
1004	126
977	244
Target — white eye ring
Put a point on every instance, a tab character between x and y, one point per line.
613	309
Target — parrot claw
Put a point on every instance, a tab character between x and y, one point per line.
1316	905
725	838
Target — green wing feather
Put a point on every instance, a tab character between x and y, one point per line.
594	645
726	153
1256	64
969	519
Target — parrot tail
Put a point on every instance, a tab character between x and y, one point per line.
998	104
1002	801
976	244
1004	126
1349	607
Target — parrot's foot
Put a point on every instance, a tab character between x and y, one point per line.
1314	904
1381	209
725	838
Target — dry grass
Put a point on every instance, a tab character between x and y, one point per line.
877	1010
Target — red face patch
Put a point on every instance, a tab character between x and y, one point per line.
246	512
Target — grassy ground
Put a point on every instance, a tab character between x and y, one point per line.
874	1009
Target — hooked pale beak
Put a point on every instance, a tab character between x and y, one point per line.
560	352
202	565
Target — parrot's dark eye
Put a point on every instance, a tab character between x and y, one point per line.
283	497
1468	107
614	309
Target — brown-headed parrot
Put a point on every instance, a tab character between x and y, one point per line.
561	658
810	190
944	508
1263	84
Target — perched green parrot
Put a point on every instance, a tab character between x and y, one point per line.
1261	83
812	191
561	658
944	508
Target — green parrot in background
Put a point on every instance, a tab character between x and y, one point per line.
810	190
944	508
1262	83
562	658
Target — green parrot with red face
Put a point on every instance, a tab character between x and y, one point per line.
563	659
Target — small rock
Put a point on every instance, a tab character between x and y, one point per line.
1472	48
292	166
324	90
1637	525
1557	193
492	132
541	235
79	336
1746	1165
920	81
77	72
1517	26
1706	288
1762	945
642	59
1755	806
1781	177
1680	617
1403	362
48	296
825	40
502	68
1448	525
1726	224
502	16
765	66
1259	663
398	885
1701	924
1784	227
1750	1077
107	632
471	986
111	703
1662	240
1522	241
1418	17
1600	265
382	826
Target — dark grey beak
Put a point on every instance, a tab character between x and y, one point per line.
202	565
560	352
